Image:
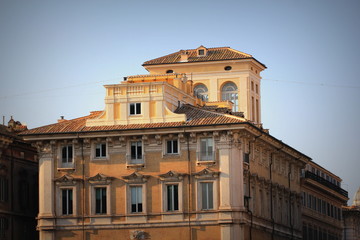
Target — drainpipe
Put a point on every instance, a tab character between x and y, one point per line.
189	182
271	194
248	207
83	187
290	208
271	198
12	190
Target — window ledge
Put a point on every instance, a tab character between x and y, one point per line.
66	169
100	159
169	155
207	163
135	165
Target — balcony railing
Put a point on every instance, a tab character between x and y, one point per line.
206	156
326	183
135	159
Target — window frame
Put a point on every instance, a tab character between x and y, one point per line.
172	206
201	52
134	161
203	93
137	109
101	151
129	198
67	163
230	95
166	152
62	189
208	157
94	148
199	195
59	205
4	189
101	210
93	199
206	176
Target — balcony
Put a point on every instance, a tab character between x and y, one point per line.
325	183
206	156
135	161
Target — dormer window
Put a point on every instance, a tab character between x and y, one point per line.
201	51
135	108
170	71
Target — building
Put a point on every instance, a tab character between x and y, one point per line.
176	154
351	218
323	199
18	184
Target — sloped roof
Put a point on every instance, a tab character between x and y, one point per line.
213	54
196	116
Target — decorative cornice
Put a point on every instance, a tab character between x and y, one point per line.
206	173
100	179
67	180
171	176
135	177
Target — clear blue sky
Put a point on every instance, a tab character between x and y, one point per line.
56	55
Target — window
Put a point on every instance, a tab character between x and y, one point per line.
67	201
100	200
136	152
136	199
206	149
23	194
135	108
172	147
207	201
67	156
201	91
201	52
246	157
4	225
170	71
229	92
172	197
227	68
100	150
4	189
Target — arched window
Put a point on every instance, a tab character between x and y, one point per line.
230	92
201	91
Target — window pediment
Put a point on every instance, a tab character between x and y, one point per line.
171	176
67	180
136	177
206	173
100	179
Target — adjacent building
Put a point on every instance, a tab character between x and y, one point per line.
176	154
351	218
18	184
322	200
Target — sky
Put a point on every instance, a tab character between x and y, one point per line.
55	57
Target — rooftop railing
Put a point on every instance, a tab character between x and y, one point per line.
326	183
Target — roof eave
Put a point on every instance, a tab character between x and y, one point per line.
251	58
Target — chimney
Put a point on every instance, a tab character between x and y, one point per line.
184	56
61	119
11	123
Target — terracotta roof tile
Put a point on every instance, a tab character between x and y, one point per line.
213	54
195	117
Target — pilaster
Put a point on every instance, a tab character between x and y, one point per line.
230	166
46	215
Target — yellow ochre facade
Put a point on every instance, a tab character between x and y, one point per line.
171	159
